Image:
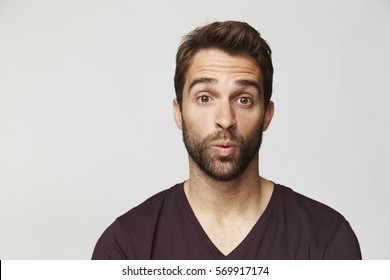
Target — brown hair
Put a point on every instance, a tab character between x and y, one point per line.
233	37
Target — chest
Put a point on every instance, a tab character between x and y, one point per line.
229	234
187	239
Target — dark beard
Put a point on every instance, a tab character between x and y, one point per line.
213	166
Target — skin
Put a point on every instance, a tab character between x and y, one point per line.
225	93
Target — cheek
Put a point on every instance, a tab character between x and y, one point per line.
198	121
250	131
251	124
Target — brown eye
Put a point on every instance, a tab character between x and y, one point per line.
245	100
204	99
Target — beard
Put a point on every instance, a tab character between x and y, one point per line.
222	167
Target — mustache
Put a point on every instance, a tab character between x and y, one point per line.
223	135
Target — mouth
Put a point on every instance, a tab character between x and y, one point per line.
224	148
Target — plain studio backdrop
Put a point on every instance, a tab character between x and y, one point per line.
86	126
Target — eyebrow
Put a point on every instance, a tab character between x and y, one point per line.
249	83
202	81
244	83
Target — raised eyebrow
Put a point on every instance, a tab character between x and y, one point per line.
249	83
202	81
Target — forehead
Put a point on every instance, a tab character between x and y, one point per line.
211	62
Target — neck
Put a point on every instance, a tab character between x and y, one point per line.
236	196
227	211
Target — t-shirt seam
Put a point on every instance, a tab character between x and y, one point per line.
131	241
337	228
196	224
263	219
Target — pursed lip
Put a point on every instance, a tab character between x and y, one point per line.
224	147
225	144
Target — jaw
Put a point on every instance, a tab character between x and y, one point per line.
199	176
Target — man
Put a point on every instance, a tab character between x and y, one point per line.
225	210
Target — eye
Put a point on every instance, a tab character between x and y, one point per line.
204	99
245	100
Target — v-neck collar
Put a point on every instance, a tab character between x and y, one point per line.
237	252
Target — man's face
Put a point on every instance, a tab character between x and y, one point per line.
223	114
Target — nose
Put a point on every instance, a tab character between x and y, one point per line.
225	118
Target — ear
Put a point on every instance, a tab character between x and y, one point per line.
269	113
177	114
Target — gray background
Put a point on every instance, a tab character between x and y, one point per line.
86	127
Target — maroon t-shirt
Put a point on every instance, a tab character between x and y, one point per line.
291	227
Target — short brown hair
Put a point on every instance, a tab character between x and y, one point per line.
233	37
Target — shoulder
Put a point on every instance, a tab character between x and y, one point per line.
130	236
327	232
146	214
305	208
148	208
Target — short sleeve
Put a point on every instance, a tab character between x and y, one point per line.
113	244
343	245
